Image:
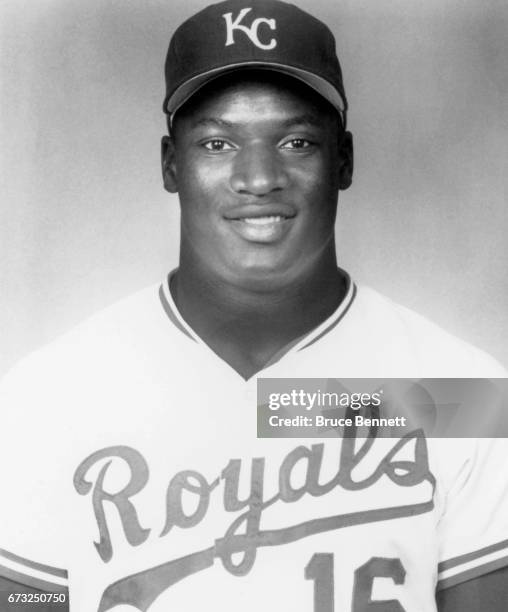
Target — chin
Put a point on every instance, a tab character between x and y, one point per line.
261	276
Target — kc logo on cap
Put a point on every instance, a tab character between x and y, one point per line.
251	32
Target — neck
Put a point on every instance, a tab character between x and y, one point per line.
246	326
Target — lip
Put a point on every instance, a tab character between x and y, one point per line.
261	223
265	223
265	229
257	211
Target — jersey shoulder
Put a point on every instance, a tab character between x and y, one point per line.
434	351
113	342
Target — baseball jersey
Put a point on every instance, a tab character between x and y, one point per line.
131	472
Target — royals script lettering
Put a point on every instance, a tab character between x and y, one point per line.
238	546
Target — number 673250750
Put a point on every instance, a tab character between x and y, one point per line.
320	571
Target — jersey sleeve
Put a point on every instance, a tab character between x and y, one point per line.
473	529
32	522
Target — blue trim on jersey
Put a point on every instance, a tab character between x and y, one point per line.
470	574
48	569
454	561
336	322
169	312
31	581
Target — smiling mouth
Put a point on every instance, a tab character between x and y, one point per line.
267	229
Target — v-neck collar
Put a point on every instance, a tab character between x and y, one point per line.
298	344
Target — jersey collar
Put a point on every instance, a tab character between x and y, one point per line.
298	344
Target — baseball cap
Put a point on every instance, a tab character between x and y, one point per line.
262	34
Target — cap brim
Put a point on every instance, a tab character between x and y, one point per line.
320	85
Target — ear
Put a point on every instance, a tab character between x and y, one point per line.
346	161
168	164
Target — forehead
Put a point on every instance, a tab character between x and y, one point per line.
256	95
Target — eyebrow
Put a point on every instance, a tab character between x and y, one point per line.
212	121
305	119
298	120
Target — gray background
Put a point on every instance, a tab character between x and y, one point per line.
84	219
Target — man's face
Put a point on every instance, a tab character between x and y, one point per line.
257	163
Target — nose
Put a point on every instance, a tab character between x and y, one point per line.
258	171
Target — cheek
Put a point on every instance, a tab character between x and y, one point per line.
320	192
198	194
200	181
202	198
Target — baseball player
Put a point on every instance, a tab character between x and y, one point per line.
131	473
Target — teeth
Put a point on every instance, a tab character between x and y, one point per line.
263	220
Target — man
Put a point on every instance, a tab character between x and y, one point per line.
132	473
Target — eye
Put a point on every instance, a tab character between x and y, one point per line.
217	145
297	143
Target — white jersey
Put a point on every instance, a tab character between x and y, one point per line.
131	471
